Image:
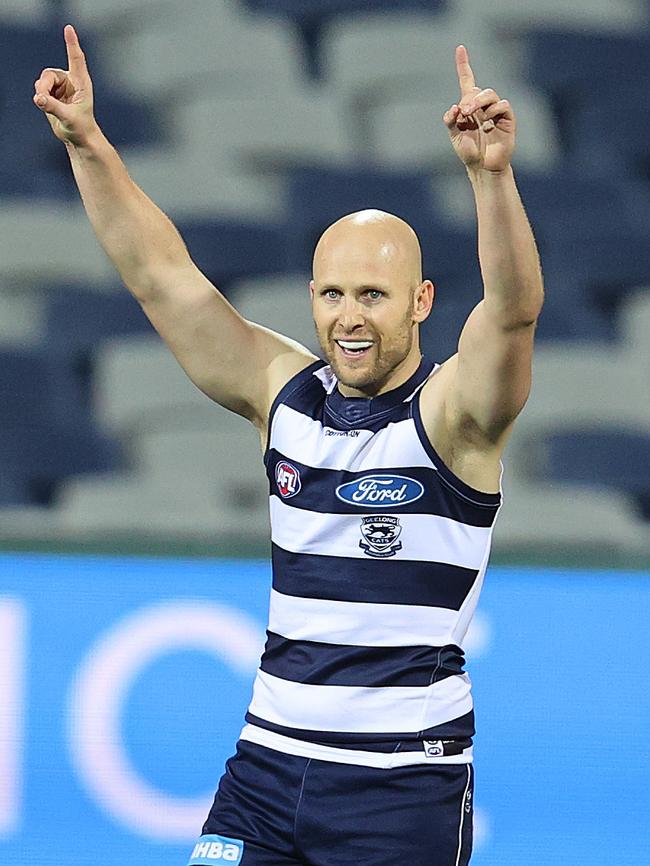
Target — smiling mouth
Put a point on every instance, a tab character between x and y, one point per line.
354	348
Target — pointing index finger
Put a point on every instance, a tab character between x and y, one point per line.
464	70
76	59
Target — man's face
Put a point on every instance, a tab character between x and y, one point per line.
363	307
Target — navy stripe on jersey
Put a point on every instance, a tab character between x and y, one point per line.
458	728
315	663
318	493
305	394
362	421
304	390
387	581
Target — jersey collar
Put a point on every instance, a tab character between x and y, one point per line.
354	409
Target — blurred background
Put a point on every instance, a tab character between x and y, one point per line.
130	504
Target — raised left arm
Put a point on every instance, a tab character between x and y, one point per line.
488	381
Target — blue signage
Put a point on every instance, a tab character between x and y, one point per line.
124	682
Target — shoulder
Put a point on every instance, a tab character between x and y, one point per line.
304	391
454	437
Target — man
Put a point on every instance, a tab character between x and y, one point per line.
384	473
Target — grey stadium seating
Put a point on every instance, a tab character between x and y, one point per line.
255	124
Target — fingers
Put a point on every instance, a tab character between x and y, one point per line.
76	57
481	99
488	103
499	109
50	78
464	70
451	116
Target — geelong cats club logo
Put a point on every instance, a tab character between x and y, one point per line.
381	532
287	478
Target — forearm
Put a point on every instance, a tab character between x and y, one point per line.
508	256
136	235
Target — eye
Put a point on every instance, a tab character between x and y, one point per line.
374	294
330	294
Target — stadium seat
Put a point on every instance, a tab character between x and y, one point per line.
613	263
191	483
439	334
44	242
566	515
228	458
205	186
576	384
571	64
22	316
318	196
371	56
313	19
35	389
570	312
126	121
634	326
231	51
563	204
307	10
281	303
76	323
78	320
266	133
601	457
29	157
41	457
110	14
406	130
139	385
596	15
609	151
24	12
14	489
226	251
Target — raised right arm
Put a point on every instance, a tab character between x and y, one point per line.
238	364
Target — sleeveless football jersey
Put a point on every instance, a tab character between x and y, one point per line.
379	553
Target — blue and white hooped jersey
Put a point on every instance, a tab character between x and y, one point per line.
379	554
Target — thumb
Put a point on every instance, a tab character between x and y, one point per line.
57	113
50	105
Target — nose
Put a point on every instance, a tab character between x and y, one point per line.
351	315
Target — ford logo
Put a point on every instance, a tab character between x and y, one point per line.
380	491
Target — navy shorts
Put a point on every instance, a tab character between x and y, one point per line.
273	809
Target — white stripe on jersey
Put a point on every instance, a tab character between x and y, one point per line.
379	710
397	444
354	623
381	760
424	537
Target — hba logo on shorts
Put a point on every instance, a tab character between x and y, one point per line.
387	491
216	849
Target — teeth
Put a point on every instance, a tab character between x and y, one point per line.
361	344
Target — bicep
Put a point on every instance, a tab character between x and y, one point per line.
238	364
492	378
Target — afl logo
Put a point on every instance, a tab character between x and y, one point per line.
380	491
287	478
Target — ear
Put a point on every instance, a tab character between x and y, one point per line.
423	300
311	289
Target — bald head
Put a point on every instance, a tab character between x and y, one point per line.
368	299
370	241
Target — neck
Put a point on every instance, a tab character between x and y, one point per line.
397	376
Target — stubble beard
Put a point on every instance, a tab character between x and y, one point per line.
371	377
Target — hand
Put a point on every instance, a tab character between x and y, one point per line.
66	97
481	126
